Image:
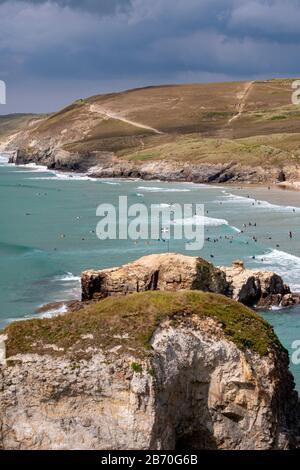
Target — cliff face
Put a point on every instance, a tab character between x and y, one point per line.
172	272
200	381
168	170
105	164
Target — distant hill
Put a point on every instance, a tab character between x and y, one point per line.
253	123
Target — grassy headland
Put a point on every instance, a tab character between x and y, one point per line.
130	322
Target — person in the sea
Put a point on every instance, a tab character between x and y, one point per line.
290	235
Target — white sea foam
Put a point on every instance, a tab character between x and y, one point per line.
229	198
47	314
52	175
30	167
3	159
34	167
201	220
284	264
66	177
113	183
68	277
140	195
155	189
52	313
276	308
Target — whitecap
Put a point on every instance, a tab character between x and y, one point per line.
229	198
67	277
201	220
284	264
47	314
66	177
113	183
34	167
275	308
164	190
52	313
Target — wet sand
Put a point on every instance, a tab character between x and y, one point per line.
275	195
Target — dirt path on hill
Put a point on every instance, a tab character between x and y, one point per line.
104	112
243	98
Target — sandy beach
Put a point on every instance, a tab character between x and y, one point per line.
283	194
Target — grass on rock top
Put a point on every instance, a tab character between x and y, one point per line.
131	321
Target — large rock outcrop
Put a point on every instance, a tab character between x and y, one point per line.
164	272
155	370
255	287
172	272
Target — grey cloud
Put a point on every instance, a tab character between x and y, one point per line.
141	41
102	7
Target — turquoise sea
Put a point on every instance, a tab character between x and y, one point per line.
47	236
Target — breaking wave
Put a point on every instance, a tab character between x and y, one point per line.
284	264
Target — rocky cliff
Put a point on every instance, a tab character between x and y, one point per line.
154	370
172	272
103	164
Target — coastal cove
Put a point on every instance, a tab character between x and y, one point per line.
48	223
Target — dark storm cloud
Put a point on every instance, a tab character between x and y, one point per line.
128	43
96	6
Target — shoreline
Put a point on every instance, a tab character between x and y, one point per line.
261	191
91	173
284	186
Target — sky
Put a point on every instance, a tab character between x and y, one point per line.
53	52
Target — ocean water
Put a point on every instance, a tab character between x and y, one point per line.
47	236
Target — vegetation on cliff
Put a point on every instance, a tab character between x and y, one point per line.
248	123
15	122
129	322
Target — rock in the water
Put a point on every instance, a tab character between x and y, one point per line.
255	287
290	299
154	370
